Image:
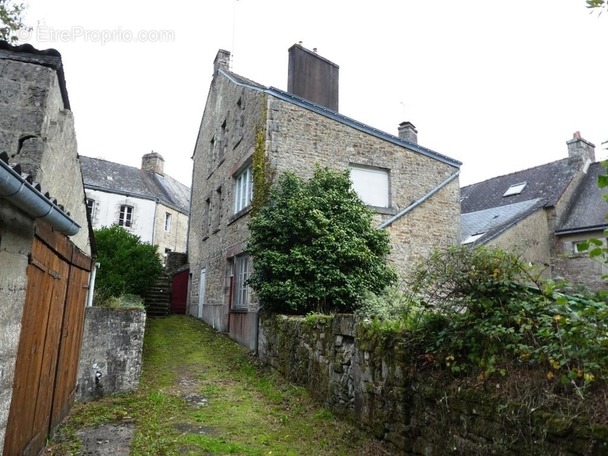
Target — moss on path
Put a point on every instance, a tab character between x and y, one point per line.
202	394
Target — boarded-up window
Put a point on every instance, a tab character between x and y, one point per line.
371	184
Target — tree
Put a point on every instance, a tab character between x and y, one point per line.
314	247
596	4
128	266
11	20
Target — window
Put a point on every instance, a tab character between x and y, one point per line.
243	189
371	184
206	217
126	216
167	221
240	271
239	122
515	189
211	159
217	219
223	143
90	206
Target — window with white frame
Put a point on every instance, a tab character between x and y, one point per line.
167	221
371	184
240	271
243	189
125	218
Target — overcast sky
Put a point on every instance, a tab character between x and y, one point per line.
500	86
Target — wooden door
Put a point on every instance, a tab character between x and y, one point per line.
49	342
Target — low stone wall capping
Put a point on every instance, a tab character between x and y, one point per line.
372	381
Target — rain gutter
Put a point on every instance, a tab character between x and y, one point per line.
414	205
22	194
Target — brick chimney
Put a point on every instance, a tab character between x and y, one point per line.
153	163
313	77
580	149
408	132
222	60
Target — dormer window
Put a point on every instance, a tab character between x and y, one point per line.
515	189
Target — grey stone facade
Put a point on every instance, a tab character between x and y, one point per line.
296	135
110	357
16	234
37	129
37	132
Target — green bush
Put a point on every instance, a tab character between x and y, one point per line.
315	248
128	266
480	318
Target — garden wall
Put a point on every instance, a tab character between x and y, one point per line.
374	380
110	357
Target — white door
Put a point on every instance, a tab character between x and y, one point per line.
201	292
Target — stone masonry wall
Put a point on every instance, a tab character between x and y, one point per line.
174	238
298	139
373	381
37	131
579	268
224	146
531	239
110	357
16	235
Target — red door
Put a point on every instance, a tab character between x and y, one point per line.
179	292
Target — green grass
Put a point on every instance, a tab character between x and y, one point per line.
246	409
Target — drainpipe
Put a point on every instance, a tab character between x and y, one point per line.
26	197
92	284
414	205
257	330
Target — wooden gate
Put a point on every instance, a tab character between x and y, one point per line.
49	344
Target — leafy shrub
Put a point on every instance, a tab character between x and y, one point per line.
128	266
315	248
481	317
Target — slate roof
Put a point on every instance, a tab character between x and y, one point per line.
324	111
113	177
485	209
590	209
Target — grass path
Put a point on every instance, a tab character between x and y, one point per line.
202	394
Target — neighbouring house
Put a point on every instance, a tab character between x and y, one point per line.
45	248
413	190
542	213
145	201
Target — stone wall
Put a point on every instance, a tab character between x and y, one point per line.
374	381
174	238
16	236
110	357
37	129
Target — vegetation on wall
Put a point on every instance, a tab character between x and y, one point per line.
263	173
315	248
128	265
479	312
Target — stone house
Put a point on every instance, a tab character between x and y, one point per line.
413	190
145	201
542	213
45	248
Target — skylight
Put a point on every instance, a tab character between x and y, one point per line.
472	238
515	189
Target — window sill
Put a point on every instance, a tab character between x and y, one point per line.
383	210
239	310
239	214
